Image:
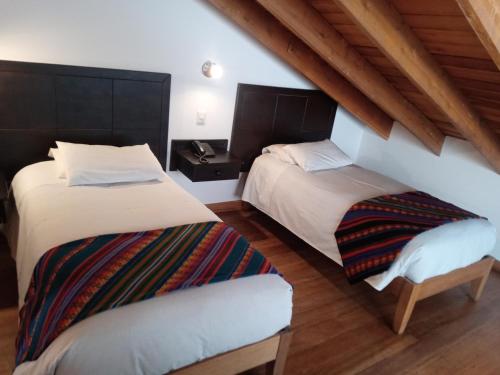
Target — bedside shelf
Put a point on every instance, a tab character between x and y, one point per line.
221	167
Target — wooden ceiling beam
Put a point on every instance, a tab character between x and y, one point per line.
267	30
484	17
314	30
387	29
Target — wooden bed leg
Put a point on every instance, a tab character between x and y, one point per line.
409	293
407	299
277	367
477	285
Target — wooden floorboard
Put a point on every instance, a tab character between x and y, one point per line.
346	329
341	328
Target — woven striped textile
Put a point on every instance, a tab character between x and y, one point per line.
82	278
374	231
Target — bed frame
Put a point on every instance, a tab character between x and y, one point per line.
282	118
102	106
271	352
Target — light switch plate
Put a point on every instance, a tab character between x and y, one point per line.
201	117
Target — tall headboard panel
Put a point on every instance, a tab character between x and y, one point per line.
42	103
266	115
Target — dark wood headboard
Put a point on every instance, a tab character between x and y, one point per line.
42	103
266	115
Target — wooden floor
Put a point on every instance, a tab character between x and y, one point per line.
339	328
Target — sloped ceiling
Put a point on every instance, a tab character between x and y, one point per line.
447	35
452	37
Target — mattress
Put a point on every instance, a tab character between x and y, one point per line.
149	337
312	205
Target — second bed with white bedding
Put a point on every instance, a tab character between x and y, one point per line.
312	205
149	337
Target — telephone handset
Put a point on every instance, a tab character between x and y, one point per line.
202	150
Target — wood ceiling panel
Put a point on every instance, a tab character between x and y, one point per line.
453	43
437	22
477	85
442	27
464	62
408	89
427	7
433	113
462	38
325	6
389	71
487	112
354	36
473	74
446	34
477	52
425	105
489	108
337	18
380	61
492	96
445	42
402	83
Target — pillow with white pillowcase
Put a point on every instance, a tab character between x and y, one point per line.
54	154
99	164
317	156
278	152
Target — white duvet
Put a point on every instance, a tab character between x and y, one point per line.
312	204
149	337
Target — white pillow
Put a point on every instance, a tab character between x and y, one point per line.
317	156
54	154
98	164
278	152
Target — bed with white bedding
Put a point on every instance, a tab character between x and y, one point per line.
139	338
312	204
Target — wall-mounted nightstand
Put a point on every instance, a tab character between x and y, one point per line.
221	167
4	196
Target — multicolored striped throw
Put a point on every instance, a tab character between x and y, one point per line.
374	231
82	278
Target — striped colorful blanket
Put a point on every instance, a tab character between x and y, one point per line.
374	231
82	278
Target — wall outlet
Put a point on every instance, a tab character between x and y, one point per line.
201	117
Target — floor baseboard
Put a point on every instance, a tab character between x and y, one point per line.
228	206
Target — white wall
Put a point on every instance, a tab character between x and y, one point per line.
348	132
172	36
460	175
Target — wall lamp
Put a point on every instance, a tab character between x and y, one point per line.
211	70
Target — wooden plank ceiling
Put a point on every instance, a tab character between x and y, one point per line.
445	33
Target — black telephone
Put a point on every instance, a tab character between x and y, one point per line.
202	151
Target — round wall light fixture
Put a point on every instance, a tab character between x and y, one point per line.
211	70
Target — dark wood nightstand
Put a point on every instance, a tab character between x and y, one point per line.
4	196
223	166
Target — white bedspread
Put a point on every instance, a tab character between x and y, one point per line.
311	205
149	337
